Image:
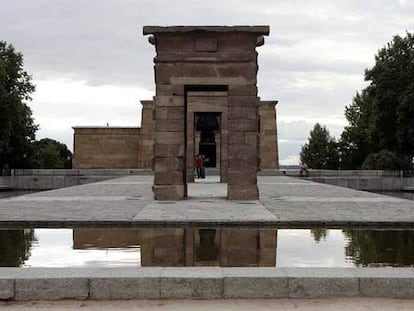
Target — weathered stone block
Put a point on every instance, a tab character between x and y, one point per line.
305	287
6	289
250	283
236	138
243	125
242	151
237	41
236	163
235	192
243	177
169	101
125	288
164	89
169	138
169	150
169	126
205	57
51	288
168	192
205	44
166	71
251	138
168	178
168	164
242	90
243	101
398	287
178	89
170	113
244	112
174	42
207	283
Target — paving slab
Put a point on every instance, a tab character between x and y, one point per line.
284	202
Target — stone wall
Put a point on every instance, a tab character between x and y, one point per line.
116	147
106	147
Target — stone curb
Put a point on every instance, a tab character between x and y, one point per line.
203	283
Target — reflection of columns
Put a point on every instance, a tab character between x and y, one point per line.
163	247
188	247
248	248
228	247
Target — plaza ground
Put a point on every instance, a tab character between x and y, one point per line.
331	304
284	202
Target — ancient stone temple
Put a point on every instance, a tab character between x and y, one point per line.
205	103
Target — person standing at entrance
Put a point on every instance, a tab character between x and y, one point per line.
203	170
199	165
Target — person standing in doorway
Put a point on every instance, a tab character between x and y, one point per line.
203	170
198	164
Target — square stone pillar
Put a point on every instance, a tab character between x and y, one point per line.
268	148
243	137
147	135
169	151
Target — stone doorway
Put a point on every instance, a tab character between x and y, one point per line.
207	132
207	137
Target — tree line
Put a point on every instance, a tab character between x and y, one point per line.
380	130
18	146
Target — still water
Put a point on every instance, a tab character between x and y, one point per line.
205	247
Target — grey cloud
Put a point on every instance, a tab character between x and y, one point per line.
101	42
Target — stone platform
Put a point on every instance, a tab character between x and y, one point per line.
203	283
285	202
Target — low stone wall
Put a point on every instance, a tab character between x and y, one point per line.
48	179
368	180
203	283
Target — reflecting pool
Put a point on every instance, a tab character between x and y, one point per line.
227	247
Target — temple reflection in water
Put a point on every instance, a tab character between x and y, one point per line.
188	247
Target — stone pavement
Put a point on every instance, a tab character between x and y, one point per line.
128	201
332	304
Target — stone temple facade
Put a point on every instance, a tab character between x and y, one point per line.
206	102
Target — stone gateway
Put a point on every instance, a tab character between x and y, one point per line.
205	103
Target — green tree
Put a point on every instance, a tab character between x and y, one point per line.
15	247
319	234
380	248
17	128
49	153
383	160
321	151
355	143
380	118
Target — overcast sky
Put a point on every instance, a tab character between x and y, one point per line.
91	64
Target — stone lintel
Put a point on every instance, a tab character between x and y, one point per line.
260	30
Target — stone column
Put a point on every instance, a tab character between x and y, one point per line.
147	135
169	151
268	148
243	145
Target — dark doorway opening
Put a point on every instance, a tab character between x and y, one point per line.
207	124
